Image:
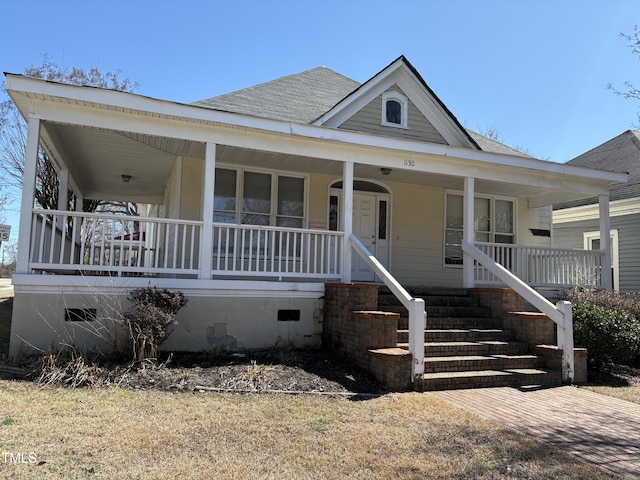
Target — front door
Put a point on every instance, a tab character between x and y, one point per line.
364	227
370	225
371	213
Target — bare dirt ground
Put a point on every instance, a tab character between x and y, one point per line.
267	370
282	370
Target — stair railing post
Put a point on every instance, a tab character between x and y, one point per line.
565	341
417	324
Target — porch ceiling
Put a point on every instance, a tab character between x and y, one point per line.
97	159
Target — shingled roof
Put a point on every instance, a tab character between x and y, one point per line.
300	98
620	154
304	97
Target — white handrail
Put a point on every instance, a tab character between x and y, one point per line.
561	313
415	306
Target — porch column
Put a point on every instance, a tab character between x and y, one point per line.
28	194
78	207
468	231
206	236
63	194
347	215
605	241
63	190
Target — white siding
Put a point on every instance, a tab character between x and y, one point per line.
533	218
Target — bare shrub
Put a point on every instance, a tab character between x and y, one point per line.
629	302
151	320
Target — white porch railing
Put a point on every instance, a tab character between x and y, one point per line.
112	244
543	266
415	306
276	251
561	313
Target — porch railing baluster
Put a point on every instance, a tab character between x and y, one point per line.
543	266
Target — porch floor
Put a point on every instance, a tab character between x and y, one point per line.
596	428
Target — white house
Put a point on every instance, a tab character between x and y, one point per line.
254	199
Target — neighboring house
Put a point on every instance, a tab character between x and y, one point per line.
576	223
257	198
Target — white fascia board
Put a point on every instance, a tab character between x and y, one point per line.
617	208
168	119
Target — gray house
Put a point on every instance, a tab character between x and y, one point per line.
576	223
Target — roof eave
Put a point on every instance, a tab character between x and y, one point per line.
130	101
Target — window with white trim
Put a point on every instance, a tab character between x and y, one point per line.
494	221
592	242
252	197
394	109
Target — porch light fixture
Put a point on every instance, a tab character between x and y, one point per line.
385	171
126	178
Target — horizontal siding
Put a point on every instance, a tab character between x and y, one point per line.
629	251
533	218
570	235
417	238
368	120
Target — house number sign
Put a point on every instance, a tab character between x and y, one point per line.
409	163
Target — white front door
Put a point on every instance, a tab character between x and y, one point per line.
370	213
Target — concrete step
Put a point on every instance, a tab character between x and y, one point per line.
490	378
480	362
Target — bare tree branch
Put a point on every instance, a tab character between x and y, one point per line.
630	91
13	135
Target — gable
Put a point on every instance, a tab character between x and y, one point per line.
369	120
430	119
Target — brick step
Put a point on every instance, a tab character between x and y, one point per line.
440	323
480	362
486	347
491	378
460	334
441	311
432	300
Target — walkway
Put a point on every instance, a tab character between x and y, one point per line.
596	428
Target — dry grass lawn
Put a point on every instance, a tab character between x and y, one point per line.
114	433
624	383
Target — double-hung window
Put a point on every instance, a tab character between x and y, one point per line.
494	221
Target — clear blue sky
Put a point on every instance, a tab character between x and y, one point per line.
535	70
